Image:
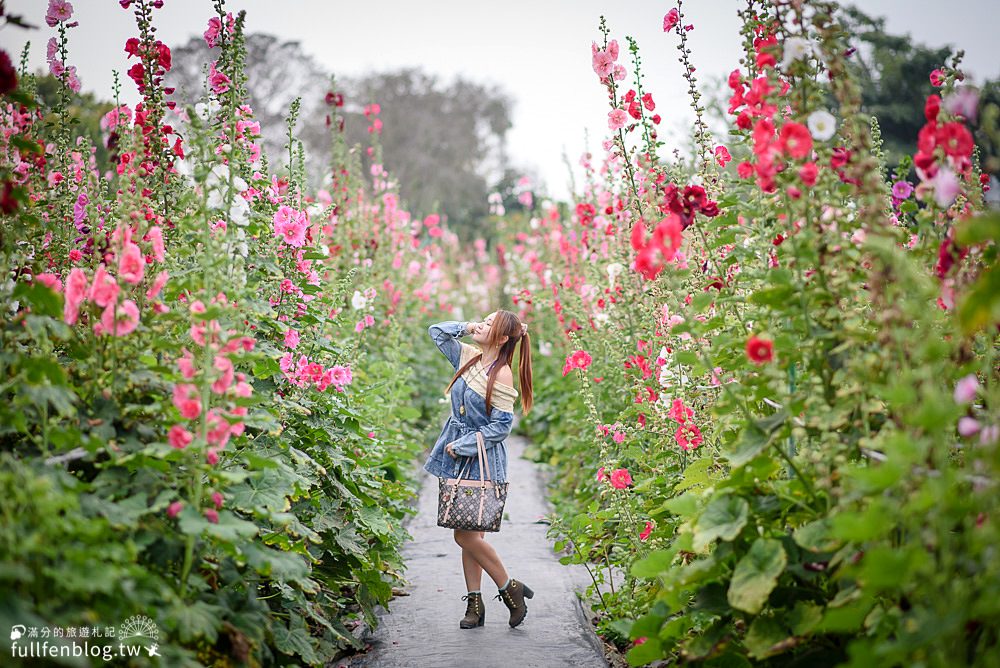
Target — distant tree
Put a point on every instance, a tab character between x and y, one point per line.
445	144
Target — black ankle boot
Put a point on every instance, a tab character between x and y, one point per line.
475	612
513	597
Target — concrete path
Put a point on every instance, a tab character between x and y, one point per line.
421	630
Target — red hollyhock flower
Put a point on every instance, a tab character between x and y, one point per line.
955	139
932	107
647	101
760	350
795	140
808	173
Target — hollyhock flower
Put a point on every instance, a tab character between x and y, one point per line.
808	173
617	118
578	359
341	375
187	401
212	515
217	499
601	475
964	102
75	255
212	456
722	155
174	509
822	125
989	435
76	293
603	60
902	189
50	281
59	10
158	283
688	436
679	412
759	350
155	236
744	170
104	289
946	187
671	19
224	366
186	364
645	532
647	101
795	140
132	265
218	80
966	389
620	478
290	226
937	78
218	429
179	437
120	319
796	48
291	338
968	426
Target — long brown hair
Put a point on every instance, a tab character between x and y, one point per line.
504	324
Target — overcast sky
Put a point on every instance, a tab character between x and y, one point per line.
536	50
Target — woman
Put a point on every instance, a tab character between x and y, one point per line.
483	401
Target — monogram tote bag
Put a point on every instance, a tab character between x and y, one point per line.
474	505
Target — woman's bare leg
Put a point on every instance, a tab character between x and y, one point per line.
474	544
473	571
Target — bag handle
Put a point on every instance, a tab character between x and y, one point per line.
481	454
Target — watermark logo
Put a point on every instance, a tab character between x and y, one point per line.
131	638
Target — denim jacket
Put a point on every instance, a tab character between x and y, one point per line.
468	412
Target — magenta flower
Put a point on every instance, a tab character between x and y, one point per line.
679	412
645	532
59	10
132	265
186	400
688	436
902	189
579	359
174	509
179	437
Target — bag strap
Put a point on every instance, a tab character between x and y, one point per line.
481	454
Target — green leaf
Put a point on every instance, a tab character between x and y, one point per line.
294	639
646	653
815	536
981	305
655	563
756	575
752	442
979	229
196	620
724	517
763	636
229	528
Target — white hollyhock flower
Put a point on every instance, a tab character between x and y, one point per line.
796	48
358	301
822	125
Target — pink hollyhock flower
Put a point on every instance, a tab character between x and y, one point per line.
174	509
618	437
620	478
902	189
212	515
218	429
964	102
59	10
223	365
579	359
120	319
722	155
132	265
50	281
617	119
155	235
989	435
968	426
601	475
187	401
688	436
946	187
759	350
966	389
291	338
287	362
290	226
645	532
76	293
342	375
75	255
158	283
603	60
104	289
937	78
670	21
179	437
212	456
218	80
217	499
186	364
679	412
